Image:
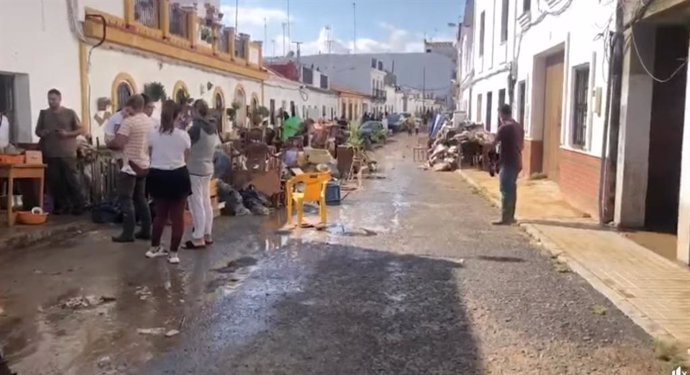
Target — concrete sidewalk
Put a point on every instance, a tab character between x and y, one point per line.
653	291
56	229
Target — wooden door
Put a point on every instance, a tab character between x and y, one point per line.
553	108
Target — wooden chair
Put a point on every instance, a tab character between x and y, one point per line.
420	153
314	191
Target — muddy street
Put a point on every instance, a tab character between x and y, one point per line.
409	278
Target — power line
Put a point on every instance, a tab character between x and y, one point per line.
647	70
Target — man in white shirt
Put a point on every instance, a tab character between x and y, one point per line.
132	139
4	130
111	128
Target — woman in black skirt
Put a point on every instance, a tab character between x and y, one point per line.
168	181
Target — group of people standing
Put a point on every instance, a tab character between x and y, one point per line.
170	161
173	163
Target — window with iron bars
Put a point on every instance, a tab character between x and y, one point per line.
146	13
224	46
581	95
178	21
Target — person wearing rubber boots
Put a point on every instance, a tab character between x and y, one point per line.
510	137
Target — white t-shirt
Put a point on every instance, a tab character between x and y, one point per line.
110	129
4	131
167	149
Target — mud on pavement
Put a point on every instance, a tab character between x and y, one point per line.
408	278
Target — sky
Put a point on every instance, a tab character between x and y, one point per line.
382	25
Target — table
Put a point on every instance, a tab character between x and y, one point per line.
13	172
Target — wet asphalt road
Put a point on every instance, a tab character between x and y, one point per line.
409	279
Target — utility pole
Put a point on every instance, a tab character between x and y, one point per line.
610	162
424	89
297	44
237	8
265	37
329	42
288	20
273	41
354	30
284	51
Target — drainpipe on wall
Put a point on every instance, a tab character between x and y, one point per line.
609	163
604	142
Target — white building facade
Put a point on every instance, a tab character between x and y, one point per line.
550	64
431	73
145	41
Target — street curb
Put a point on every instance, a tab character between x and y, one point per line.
620	301
482	190
53	233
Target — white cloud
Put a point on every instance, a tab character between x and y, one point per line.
251	21
396	40
252	18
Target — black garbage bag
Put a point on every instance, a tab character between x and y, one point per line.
105	213
233	200
255	201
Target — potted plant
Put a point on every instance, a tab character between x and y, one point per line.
155	91
258	115
206	34
256	118
355	140
232	114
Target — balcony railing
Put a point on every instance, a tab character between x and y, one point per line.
379	94
223	41
178	21
167	22
240	47
146	13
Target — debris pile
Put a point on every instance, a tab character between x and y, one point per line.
468	144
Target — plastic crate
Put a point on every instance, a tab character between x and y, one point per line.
11	159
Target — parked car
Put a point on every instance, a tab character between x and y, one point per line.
372	132
396	122
370	127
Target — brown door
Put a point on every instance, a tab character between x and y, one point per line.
553	107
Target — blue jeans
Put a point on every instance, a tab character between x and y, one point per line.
508	180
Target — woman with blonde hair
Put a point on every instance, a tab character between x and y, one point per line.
168	180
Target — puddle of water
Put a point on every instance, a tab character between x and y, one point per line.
236	264
341	230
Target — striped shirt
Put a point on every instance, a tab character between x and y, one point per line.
137	129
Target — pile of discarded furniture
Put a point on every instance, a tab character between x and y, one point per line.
303	162
466	145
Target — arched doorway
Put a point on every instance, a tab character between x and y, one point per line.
123	87
241	100
219	108
254	103
124	92
180	93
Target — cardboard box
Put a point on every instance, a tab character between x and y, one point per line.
34	157
216	206
213	187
